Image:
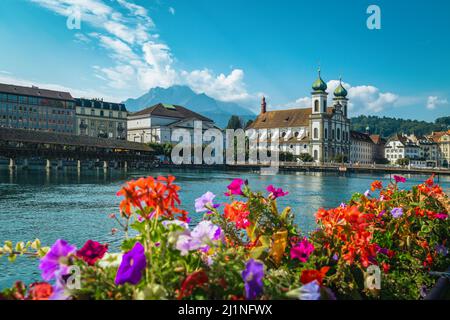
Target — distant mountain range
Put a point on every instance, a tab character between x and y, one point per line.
219	111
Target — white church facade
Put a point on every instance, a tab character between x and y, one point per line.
322	131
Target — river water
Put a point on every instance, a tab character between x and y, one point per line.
75	206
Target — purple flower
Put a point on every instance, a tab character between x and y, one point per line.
235	187
397	212
310	291
367	193
253	277
335	257
302	250
203	235
399	179
381	213
441	249
53	262
276	193
205	200
133	262
59	289
343	205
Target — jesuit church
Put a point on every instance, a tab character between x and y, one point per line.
322	131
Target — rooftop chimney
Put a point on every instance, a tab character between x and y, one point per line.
263	105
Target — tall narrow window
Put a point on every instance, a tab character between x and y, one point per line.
326	133
316	133
316	106
316	155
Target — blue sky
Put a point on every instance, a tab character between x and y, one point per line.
235	50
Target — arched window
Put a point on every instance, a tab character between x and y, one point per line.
338	134
316	133
316	106
316	155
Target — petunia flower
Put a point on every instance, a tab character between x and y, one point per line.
234	188
276	193
441	216
367	193
204	201
302	250
54	260
397	212
399	179
92	251
253	275
203	235
132	265
310	291
441	249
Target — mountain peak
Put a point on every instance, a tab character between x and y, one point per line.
183	95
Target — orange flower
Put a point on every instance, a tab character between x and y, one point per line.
311	275
376	185
237	212
40	291
158	196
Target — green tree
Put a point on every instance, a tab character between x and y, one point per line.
403	161
249	122
234	123
306	157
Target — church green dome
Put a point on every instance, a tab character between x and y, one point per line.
319	84
340	91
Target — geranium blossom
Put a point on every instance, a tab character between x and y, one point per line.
314	275
238	213
159	196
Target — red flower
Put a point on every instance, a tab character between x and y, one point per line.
160	196
238	213
386	267
311	275
376	185
92	251
40	291
191	282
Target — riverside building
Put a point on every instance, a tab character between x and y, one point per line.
34	108
100	119
322	131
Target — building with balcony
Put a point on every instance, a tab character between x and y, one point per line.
34	108
100	119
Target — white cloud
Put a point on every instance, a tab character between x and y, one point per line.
172	11
229	87
434	101
362	98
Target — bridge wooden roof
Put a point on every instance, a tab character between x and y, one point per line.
35	136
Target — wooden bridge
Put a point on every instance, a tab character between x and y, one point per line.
27	144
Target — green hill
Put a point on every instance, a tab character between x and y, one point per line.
386	126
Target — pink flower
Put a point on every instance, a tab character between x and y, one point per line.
235	187
441	216
302	250
276	193
399	179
